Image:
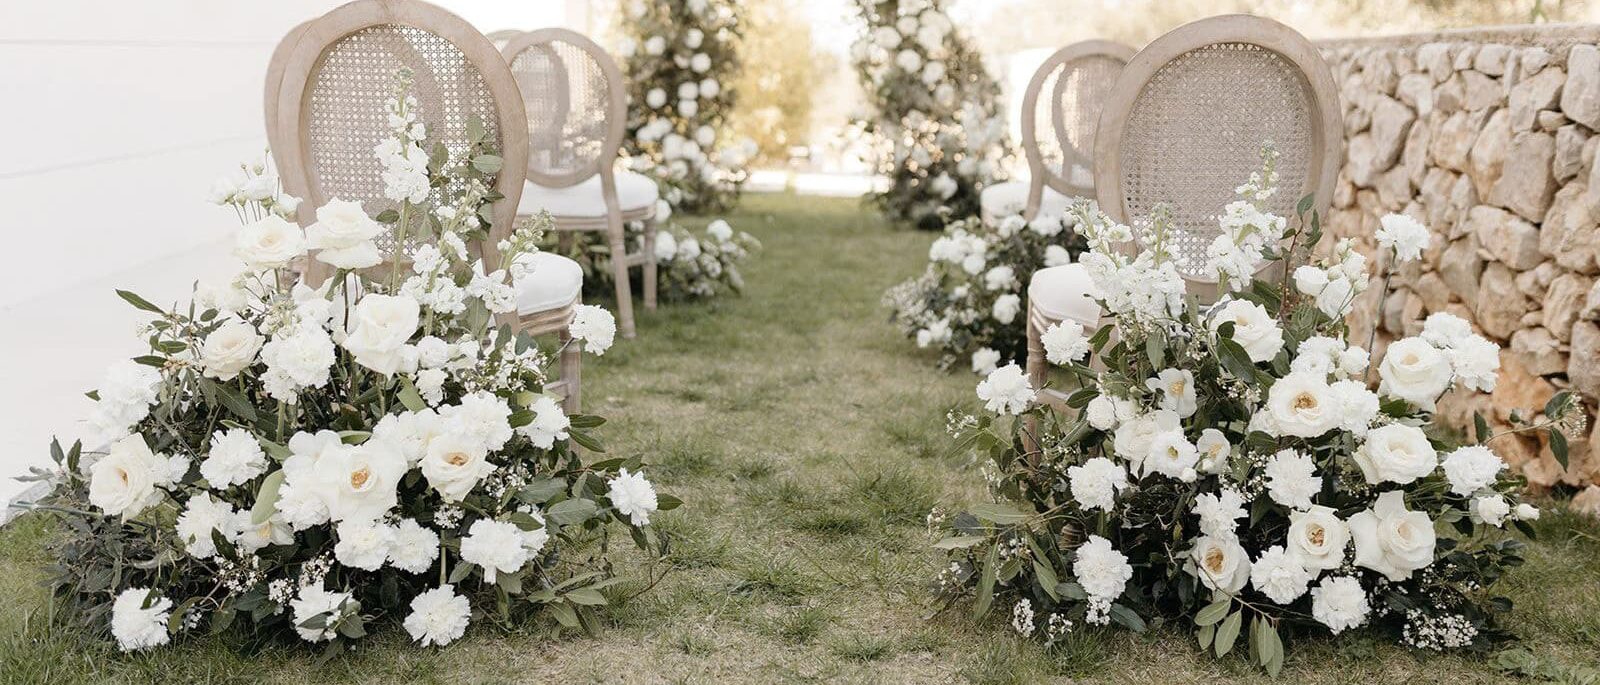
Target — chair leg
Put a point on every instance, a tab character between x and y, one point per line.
619	269
571	372
1038	369
650	265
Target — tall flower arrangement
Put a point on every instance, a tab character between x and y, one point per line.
300	459
1231	466
681	59
689	266
934	113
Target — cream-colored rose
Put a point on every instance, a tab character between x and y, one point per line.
454	463
360	483
230	349
1302	405
1391	539
343	234
123	483
382	325
1253	328
1317	538
269	243
1414	371
1132	439
1219	563
1396	453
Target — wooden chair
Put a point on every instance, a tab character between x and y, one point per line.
576	109
1058	131
331	111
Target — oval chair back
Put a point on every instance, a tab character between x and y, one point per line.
1186	122
572	92
333	108
1060	112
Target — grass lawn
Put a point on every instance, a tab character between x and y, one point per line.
807	439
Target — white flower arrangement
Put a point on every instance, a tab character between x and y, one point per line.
1267	488
689	267
309	458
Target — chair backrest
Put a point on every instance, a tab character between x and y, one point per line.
573	94
273	85
1060	111
337	86
1186	121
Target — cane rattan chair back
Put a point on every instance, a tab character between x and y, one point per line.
1186	121
273	85
573	94
337	86
1060	112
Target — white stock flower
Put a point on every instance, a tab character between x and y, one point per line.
125	481
1415	371
1292	479
1391	539
1253	328
343	235
1317	537
1176	388
1310	280
234	458
1219	563
1278	574
1339	603
438	617
496	546
414	548
1095	484
126	393
985	360
1006	308
549	423
313	602
1064	342
201	516
137	626
364	544
454	463
632	496
1219	512
1100	569
1006	390
230	349
383	324
1472	468
1396	453
1171	454
1302	405
1403	234
594	327
268	243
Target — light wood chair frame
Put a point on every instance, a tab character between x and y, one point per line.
614	222
299	57
1040	175
1327	126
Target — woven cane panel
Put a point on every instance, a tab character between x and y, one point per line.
1070	101
350	96
568	100
1195	134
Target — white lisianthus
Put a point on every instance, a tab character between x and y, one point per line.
1391	539
1415	371
1396	453
985	360
125	481
359	484
1096	482
495	546
1278	574
1302	405
1219	563
594	327
1170	455
632	496
1292	479
234	458
139	619
414	548
1214	450
383	324
1317	537
1006	308
1219	512
230	349
269	243
1176	388
1006	390
313	602
1339	603
1064	342
1337	297
438	617
454	463
343	235
364	544
1403	234
1490	509
1253	328
549	423
1102	413
199	519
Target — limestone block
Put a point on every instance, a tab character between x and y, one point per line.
1506	237
1563	302
1488	152
1539	92
1580	99
1527	184
1571	229
1583	367
1500	305
1435	59
1539	351
1434	293
1461	267
1551	120
1416	91
1483	92
1533	59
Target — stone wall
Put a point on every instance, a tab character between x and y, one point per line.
1488	137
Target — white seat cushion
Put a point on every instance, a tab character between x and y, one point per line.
1004	199
634	191
1064	292
554	282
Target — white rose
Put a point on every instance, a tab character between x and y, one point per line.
1253	328
269	243
1391	539
1219	563
343	234
1491	509
1317	538
123	483
1102	413
1335	299
1133	438
1396	453
230	349
454	463
382	326
1302	405
1310	280
1414	371
359	484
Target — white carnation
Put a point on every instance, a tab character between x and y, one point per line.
1403	234
1339	603
1101	413
1292	479
1100	569
1491	509
1065	342
1006	308
1095	484
1279	575
438	617
1006	390
985	360
235	457
414	548
594	327
364	544
313	602
137	626
1219	512
549	423
199	519
496	546
632	496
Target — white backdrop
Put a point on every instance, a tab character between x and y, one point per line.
120	115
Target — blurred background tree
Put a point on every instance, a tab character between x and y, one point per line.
783	73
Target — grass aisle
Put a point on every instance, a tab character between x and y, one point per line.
807	438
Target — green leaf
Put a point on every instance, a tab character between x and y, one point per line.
1046	577
586	421
959	542
230	398
1269	647
1235	359
488	164
475	131
1155	348
1558	447
1003	514
567	512
139	302
1204	635
409	395
1553	406
986	583
1213	612
1127	618
1480	426
667	503
564	614
267	498
587	597
1305	204
541	490
1228	632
